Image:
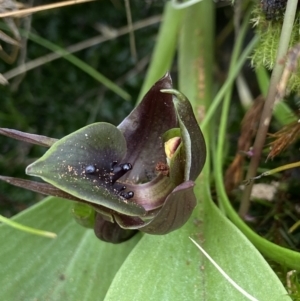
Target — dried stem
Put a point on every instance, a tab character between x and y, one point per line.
79	46
30	10
268	108
131	31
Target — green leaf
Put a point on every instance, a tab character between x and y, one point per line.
74	266
170	267
63	166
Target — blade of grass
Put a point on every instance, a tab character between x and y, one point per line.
275	170
230	79
81	65
23	228
165	47
227	97
131	32
223	273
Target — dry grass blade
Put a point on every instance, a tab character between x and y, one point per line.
234	173
131	31
290	66
3	80
26	11
6	38
10	6
284	138
80	46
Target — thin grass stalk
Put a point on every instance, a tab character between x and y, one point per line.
227	98
165	47
79	46
266	116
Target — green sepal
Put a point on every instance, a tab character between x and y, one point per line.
63	166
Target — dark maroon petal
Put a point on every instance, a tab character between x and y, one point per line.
43	188
29	138
151	195
174	213
48	189
143	130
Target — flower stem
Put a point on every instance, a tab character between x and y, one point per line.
286	31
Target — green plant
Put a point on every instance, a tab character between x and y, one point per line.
164	267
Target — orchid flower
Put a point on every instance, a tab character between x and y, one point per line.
136	176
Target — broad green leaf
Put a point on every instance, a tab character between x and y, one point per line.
75	266
63	166
170	267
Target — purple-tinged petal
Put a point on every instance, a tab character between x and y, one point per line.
48	189
151	195
175	212
43	188
29	138
143	130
